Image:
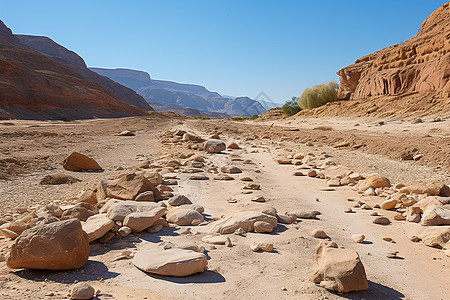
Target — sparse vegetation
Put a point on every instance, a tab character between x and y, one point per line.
291	107
200	118
254	117
151	112
318	95
239	118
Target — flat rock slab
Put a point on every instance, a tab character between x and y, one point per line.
170	262
97	225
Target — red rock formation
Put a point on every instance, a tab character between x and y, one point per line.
73	61
33	86
421	64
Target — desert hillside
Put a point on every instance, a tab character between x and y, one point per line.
33	86
404	80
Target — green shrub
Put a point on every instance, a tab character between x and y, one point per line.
318	95
291	107
151	112
254	117
239	118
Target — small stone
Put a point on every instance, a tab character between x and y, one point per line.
258	199
298	173
82	290
358	238
388	239
392	254
348	210
381	221
317	233
312	173
124	231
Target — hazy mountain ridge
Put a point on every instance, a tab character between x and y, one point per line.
182	95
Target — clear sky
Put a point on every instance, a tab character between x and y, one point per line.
233	47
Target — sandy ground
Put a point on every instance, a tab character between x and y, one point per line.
420	272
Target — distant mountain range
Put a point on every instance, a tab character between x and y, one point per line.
174	96
40	79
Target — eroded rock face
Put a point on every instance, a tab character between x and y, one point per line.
418	65
59	245
340	270
170	262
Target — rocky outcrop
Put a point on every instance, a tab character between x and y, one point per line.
70	59
421	64
33	86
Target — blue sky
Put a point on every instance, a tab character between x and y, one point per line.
233	47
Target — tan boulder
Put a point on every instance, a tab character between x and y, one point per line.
233	146
96	226
244	220
126	187
433	188
148	196
88	196
261	227
230	170
192	137
82	291
78	162
339	270
214	146
59	245
179	200
431	202
338	172
432	236
170	262
183	217
216	239
436	216
16	226
389	204
119	210
138	221
374	181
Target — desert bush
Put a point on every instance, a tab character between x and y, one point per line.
318	95
239	118
151	112
291	107
254	117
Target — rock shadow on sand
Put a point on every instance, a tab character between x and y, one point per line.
200	278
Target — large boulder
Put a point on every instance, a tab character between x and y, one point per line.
436	216
339	270
244	220
61	245
433	188
183	217
139	221
374	181
179	200
214	146
431	202
432	236
126	187
121	209
97	225
170	262
78	162
192	137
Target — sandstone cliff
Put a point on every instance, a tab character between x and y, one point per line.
421	64
33	86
